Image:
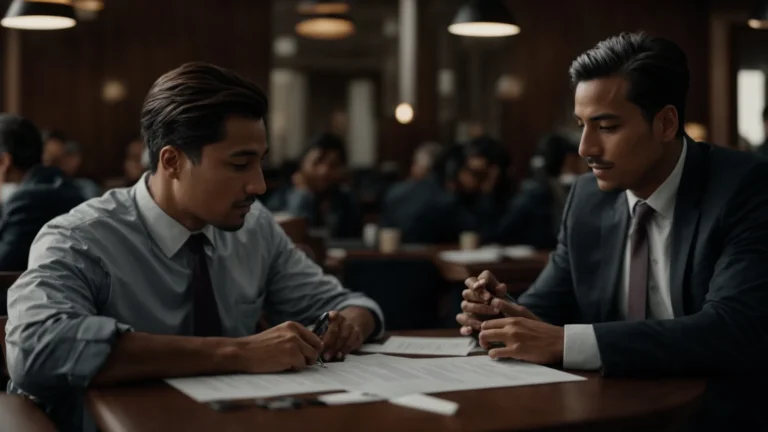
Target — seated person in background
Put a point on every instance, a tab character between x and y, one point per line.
660	267
135	164
317	192
420	208
169	278
69	160
534	213
477	176
43	192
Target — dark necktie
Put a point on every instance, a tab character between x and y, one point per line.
205	312
638	265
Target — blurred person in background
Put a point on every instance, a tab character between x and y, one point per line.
317	192
420	207
135	163
476	174
65	154
534	213
43	192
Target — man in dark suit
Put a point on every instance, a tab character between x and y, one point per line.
44	192
660	267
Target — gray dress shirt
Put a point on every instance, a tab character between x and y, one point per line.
117	263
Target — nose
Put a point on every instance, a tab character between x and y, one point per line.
589	146
256	185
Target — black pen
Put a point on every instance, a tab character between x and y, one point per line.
319	329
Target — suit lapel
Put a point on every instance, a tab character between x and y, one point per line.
613	236
685	223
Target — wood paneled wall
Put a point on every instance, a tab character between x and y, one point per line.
133	42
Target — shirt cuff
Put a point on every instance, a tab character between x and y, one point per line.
93	343
580	350
378	316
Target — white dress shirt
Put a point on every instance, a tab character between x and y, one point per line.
580	349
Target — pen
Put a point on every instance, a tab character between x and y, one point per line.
319	329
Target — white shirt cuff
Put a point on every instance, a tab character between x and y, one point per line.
580	349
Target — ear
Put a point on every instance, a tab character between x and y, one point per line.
171	161
666	123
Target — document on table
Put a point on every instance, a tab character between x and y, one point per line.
381	375
445	346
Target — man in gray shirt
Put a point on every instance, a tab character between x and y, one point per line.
171	277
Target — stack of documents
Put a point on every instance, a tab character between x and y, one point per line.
477	256
375	377
436	346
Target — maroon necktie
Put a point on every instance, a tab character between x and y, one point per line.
637	296
205	312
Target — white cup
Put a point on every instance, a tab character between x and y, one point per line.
389	240
469	240
370	234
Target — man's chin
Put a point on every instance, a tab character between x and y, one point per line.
607	186
230	226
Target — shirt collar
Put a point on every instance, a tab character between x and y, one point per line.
662	200
168	233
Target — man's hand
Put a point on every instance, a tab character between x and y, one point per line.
289	346
479	305
342	337
524	339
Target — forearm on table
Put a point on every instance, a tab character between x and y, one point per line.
144	356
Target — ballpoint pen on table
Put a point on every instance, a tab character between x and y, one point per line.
319	329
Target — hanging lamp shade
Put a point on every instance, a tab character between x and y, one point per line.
484	18
759	17
39	15
325	27
323	7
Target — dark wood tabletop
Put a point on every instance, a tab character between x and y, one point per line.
19	414
597	404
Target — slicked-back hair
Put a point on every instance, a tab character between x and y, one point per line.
188	106
655	68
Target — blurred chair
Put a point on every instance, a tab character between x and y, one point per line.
407	290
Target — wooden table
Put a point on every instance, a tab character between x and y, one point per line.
596	404
19	414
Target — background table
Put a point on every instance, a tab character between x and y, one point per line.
19	414
595	404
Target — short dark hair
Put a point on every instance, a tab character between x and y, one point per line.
21	139
765	113
656	69
187	107
328	143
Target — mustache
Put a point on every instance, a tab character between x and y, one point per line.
595	162
247	202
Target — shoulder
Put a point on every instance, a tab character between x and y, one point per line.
99	220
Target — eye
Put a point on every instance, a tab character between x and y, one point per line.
240	166
611	128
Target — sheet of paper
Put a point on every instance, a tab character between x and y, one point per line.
346	398
477	256
450	346
427	403
519	252
467	373
350	374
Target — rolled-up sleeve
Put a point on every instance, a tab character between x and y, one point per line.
297	288
54	336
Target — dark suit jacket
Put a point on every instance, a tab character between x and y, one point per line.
718	283
424	212
43	194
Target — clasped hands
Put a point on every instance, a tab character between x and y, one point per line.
523	335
